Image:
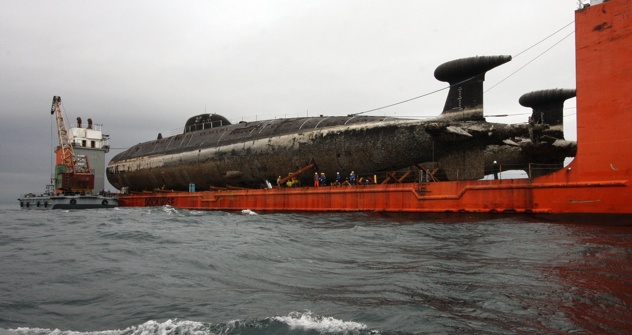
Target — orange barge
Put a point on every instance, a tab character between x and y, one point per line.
597	181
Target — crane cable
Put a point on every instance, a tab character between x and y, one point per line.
546	38
444	88
531	61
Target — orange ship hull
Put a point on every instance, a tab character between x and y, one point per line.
596	182
502	196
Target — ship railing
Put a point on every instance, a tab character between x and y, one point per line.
505	171
205	125
536	169
208	125
195	127
258	117
522	171
270	117
95	126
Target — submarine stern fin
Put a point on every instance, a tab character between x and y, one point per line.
466	77
548	108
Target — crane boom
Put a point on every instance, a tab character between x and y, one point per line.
72	172
67	153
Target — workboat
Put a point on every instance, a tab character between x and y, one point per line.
79	176
215	165
51	200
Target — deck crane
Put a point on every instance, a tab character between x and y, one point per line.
72	172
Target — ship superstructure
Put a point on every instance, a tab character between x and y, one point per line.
89	141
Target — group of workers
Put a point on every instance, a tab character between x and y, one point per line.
321	180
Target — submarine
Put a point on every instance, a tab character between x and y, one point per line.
459	143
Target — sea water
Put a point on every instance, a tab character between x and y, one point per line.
170	271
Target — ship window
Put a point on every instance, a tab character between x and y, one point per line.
83	143
93	144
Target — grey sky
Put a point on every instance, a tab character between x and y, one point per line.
144	67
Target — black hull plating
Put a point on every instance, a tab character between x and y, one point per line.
370	147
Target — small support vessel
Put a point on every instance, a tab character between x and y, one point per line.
50	200
78	182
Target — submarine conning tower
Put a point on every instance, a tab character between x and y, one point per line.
548	108
205	121
466	77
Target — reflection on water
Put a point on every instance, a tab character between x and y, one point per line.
596	278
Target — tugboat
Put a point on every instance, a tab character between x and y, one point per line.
77	184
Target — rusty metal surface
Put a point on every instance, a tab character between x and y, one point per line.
461	148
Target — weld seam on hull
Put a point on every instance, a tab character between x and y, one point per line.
618	183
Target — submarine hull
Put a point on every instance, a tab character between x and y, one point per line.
367	149
457	144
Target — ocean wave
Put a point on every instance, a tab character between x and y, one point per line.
304	322
310	321
169	327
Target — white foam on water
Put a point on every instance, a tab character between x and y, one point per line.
169	327
309	321
248	212
169	209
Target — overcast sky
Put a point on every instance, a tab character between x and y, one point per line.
144	67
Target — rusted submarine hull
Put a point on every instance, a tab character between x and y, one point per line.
367	148
212	152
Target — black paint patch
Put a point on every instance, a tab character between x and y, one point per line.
602	27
